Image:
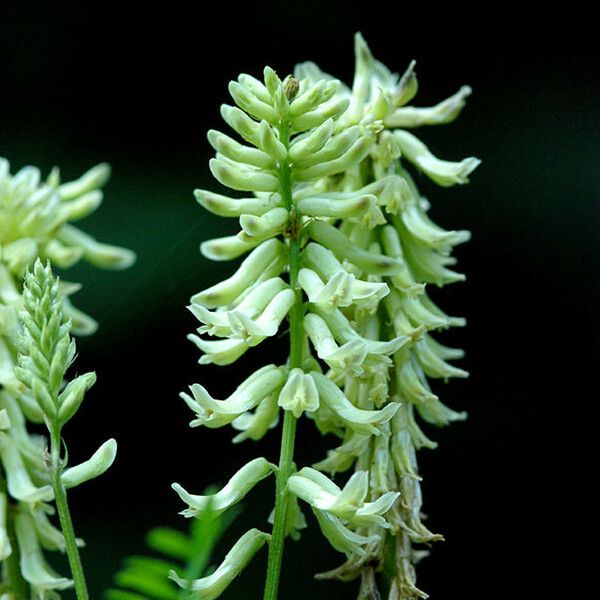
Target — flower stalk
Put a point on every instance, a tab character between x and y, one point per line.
286	458
64	515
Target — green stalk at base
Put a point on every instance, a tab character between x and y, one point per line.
279	525
66	522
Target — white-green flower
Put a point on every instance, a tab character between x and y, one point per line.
299	394
36	571
235	489
348	503
215	413
213	585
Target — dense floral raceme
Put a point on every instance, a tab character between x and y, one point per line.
36	349
335	240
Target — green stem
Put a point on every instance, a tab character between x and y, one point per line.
286	457
60	496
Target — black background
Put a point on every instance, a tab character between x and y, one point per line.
138	86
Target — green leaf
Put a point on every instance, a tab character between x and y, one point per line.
189	555
170	542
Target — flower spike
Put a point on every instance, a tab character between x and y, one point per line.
338	250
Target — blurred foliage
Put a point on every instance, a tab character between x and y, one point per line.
147	577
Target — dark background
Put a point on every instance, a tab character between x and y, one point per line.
138	86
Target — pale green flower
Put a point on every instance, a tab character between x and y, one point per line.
357	419
235	489
95	466
216	413
341	537
212	586
348	503
35	219
299	393
34	567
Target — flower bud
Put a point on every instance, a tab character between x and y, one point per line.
238	177
309	120
95	466
304	146
72	396
226	248
255	86
361	208
80	208
268	225
232	150
100	255
272	81
235	207
308	98
96	177
268	258
241	123
335	147
344	249
269	143
249	103
350	157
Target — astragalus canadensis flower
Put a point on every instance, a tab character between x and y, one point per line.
338	249
36	349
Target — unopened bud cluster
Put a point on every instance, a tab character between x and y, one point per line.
36	349
46	351
335	237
